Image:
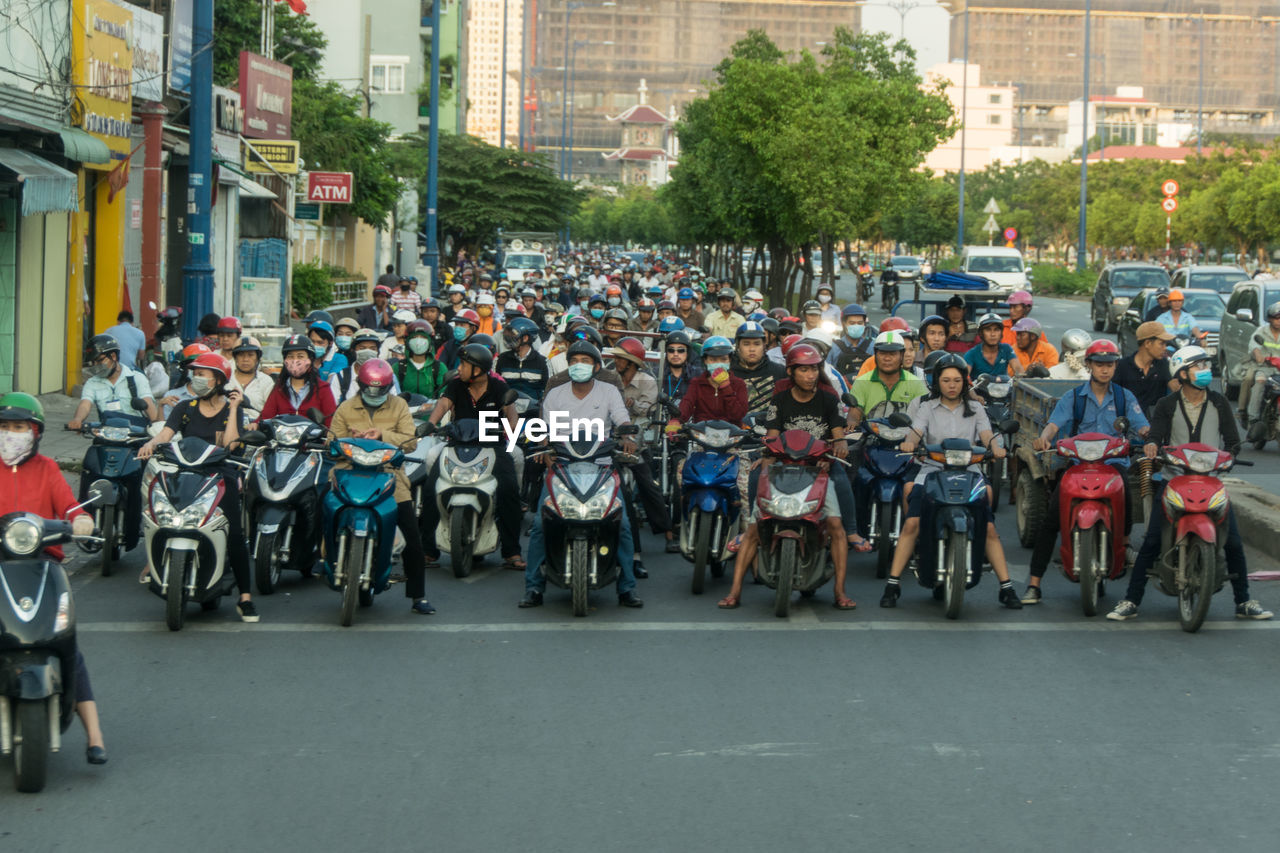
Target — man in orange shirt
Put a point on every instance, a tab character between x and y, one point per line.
1019	307
1030	345
489	324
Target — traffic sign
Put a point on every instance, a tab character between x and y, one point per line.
1169	188
1169	204
1011	234
329	187
991	207
990	225
309	212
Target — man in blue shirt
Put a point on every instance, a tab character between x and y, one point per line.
1092	407
991	356
1178	322
131	339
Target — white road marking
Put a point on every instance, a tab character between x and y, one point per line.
483	573
746	750
764	625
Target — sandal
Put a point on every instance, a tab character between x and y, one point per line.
430	563
734	544
843	602
514	564
730	602
860	546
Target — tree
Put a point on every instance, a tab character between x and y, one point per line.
923	215
237	26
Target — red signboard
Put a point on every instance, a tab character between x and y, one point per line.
266	94
1011	233
1170	188
329	187
1169	204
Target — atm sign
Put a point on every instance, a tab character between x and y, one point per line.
329	187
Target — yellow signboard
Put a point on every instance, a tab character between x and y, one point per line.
283	156
102	73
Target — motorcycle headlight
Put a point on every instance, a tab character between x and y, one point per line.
65	615
789	506
195	514
161	510
960	458
1201	461
113	433
593	508
466	475
892	433
1173	501
22	536
367	458
713	437
999	390
1091	451
290	435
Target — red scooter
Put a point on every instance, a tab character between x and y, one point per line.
1192	565
1092	507
794	545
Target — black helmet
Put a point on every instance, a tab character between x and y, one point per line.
587	334
681	337
584	348
770	325
949	359
931	360
297	343
485	341
102	345
478	355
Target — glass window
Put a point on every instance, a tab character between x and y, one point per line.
994	98
1138	278
994	118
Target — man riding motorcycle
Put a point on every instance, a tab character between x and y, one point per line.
759	373
111	386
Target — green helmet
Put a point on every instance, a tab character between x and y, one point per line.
17	406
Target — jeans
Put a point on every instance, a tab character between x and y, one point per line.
839	481
1048	535
533	578
1150	551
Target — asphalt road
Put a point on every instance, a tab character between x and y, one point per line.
675	727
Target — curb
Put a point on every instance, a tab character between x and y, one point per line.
1257	511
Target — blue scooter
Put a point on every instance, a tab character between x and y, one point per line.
883	475
953	534
360	520
113	457
710	505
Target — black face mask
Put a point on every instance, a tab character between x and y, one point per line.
404	285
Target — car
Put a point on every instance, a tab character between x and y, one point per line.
1117	284
1219	277
906	266
1246	308
1001	266
517	263
1207	306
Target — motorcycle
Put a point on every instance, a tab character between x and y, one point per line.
286	477
889	295
1270	410
672	452
794	553
1092	507
866	287
466	492
582	516
37	641
113	457
952	537
1193	564
186	530
710	510
995	391
359	513
881	478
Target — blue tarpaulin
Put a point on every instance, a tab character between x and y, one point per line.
952	280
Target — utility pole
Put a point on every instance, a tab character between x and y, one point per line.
432	257
1082	249
197	274
502	98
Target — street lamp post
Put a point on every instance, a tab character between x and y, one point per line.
502	96
432	255
1081	250
564	91
573	103
964	114
1200	92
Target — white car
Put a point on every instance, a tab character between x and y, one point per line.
1001	266
517	264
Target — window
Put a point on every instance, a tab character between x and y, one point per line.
994	118
994	98
386	74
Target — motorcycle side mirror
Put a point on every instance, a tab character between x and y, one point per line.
1009	426
1121	426
316	415
849	400
254	438
139	404
627	429
899	419
510	397
102	492
424	429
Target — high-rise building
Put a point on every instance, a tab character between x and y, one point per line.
486	34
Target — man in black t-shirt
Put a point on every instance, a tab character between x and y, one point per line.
1146	372
473	392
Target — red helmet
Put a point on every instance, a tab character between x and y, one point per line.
381	289
803	354
895	324
375	374
630	349
466	315
190	351
212	361
613	289
790	341
229	324
645	304
1102	351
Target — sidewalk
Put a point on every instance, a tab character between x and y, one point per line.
64	447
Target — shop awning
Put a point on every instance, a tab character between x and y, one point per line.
78	145
46	188
253	189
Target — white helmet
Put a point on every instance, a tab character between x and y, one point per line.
754	296
485	298
1075	340
1186	357
404	315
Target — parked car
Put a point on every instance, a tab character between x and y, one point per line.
1246	308
1207	306
1002	266
1217	277
1117	284
906	266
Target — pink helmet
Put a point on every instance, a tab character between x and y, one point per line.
375	374
1028	324
1020	297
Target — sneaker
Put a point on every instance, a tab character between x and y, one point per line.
1257	431
891	593
1251	610
1032	595
1126	609
532	598
1009	598
423	607
248	612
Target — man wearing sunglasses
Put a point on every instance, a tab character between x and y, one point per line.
111	386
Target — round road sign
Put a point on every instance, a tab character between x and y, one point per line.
1169	205
1011	233
1169	188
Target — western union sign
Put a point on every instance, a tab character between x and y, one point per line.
282	157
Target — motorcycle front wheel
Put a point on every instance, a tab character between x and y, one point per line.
579	580
352	565
461	550
107	527
1198	583
884	539
701	549
787	560
1089	570
266	563
31	745
957	572
173	612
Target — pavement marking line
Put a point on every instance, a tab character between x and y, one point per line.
624	627
483	573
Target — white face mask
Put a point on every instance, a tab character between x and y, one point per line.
824	298
16	446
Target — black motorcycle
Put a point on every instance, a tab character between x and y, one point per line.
995	392
113	457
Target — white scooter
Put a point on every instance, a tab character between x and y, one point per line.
466	491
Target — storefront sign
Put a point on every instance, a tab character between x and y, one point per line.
180	40
283	157
308	212
266	90
329	187
102	71
148	55
228	117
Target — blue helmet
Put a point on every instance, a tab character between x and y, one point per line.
750	329
853	311
669	325
685	293
757	316
716	345
323	328
654	290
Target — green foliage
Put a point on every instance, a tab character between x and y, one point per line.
312	287
336	137
635	215
1062	281
923	215
482	188
237	26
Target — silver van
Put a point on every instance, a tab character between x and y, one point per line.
1246	308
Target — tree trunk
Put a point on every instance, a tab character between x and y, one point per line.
755	263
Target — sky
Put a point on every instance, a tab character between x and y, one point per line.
927	28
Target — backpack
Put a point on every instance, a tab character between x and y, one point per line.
1079	401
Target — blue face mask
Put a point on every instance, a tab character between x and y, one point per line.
343	341
581	372
459	333
1202	378
582	303
855	331
597	313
